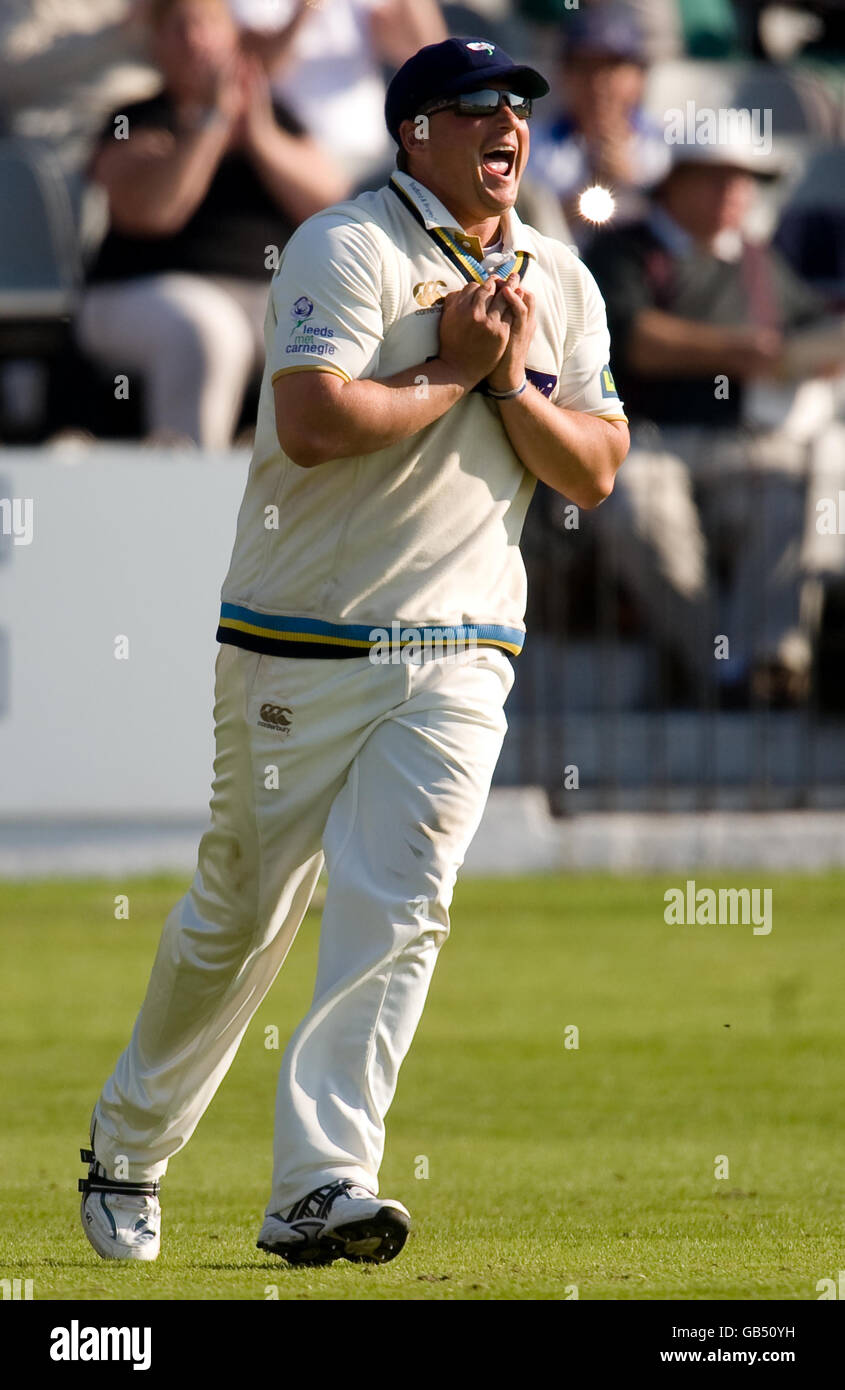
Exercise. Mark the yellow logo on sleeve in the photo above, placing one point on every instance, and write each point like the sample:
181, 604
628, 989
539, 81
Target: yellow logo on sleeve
608, 385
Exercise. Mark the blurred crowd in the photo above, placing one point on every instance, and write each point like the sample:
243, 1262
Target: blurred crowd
155, 156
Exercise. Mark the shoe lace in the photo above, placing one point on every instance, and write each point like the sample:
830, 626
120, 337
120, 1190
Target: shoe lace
320, 1202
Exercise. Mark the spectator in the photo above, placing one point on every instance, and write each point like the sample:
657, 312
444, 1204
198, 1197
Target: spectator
203, 182
703, 324
600, 136
327, 57
659, 21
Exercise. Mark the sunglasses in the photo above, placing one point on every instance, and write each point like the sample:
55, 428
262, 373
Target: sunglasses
485, 102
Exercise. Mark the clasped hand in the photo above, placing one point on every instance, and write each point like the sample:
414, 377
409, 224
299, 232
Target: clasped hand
486, 331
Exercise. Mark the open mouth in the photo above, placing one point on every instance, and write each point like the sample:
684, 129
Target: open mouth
499, 161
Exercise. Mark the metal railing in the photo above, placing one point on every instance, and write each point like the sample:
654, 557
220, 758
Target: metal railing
603, 718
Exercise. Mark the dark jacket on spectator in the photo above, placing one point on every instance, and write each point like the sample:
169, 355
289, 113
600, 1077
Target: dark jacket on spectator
654, 265
229, 232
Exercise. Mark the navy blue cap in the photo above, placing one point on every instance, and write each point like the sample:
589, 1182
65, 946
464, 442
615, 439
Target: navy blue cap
449, 68
610, 29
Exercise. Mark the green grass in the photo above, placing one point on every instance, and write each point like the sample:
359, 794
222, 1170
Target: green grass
548, 1166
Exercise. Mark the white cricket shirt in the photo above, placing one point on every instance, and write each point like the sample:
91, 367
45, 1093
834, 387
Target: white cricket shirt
425, 533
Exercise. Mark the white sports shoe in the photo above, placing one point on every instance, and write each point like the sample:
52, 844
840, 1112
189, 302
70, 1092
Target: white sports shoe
338, 1221
122, 1220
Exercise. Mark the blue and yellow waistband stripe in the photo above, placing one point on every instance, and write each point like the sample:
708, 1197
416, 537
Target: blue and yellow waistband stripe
273, 635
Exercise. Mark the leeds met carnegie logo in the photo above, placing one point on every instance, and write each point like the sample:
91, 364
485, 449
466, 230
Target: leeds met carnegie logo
310, 337
276, 717
301, 310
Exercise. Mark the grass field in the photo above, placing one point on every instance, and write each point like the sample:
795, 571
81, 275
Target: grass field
549, 1167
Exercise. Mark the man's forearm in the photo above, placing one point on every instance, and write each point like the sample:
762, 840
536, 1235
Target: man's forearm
157, 196
662, 344
299, 177
573, 453
362, 416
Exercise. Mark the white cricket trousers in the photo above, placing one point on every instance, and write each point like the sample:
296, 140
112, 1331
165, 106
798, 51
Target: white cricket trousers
384, 770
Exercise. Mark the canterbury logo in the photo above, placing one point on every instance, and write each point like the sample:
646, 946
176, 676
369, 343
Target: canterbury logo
429, 292
276, 717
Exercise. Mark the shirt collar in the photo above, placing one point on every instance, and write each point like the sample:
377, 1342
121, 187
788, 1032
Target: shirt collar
516, 235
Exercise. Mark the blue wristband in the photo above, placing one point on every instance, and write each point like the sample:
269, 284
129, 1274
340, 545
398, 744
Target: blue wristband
507, 395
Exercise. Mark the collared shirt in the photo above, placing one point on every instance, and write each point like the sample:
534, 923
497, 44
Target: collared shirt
656, 264
438, 221
424, 532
